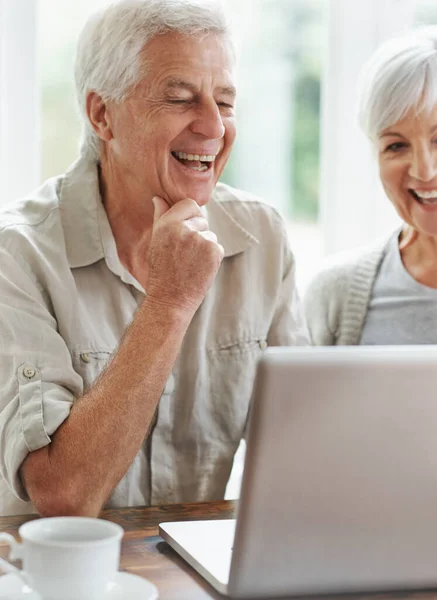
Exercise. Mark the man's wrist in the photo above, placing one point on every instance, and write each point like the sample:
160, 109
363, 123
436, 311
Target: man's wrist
170, 312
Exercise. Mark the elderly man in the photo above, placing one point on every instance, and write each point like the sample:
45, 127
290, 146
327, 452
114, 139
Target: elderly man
137, 295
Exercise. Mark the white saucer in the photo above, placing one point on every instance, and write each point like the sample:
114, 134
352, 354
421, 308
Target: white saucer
124, 587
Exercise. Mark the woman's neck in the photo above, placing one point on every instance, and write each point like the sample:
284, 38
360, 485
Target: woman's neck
419, 256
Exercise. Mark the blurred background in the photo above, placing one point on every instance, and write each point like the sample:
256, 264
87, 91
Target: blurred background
298, 146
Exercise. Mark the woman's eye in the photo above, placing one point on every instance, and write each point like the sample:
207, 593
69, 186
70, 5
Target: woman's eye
396, 147
179, 101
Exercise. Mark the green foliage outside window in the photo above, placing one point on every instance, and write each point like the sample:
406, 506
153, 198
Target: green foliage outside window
298, 26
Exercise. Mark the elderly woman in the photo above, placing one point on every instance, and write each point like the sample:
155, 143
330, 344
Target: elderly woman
387, 294
137, 293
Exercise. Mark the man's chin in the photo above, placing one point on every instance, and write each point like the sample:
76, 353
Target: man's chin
200, 196
203, 196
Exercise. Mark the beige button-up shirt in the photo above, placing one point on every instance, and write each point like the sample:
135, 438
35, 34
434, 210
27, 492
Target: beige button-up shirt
66, 301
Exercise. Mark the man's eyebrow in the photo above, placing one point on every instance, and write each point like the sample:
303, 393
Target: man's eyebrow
181, 84
228, 91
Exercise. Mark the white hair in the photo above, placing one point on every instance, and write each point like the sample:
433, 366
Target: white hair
400, 76
107, 57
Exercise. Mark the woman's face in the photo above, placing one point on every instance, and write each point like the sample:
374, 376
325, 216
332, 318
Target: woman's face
407, 156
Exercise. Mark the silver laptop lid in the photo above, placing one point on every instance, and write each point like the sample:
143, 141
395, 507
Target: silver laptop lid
339, 490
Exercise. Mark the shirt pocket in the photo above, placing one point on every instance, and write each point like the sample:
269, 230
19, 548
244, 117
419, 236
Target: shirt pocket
90, 365
232, 376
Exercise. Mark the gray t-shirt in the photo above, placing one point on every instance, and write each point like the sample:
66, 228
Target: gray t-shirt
401, 310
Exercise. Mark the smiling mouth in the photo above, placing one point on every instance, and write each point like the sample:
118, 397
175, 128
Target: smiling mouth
195, 162
425, 198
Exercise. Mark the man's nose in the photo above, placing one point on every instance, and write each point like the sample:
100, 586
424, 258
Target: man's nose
424, 164
209, 121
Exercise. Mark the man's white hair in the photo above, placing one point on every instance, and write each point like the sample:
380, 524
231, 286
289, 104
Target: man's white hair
400, 76
107, 58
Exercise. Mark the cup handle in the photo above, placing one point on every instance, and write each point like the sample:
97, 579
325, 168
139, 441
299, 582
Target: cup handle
14, 554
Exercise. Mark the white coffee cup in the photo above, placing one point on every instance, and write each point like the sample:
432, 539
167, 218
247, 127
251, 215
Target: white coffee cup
68, 558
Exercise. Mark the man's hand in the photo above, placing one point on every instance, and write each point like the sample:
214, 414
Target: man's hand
184, 255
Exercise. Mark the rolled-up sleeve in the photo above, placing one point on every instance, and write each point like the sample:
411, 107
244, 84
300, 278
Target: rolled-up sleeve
37, 381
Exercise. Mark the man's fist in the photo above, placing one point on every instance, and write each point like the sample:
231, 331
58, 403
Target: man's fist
184, 255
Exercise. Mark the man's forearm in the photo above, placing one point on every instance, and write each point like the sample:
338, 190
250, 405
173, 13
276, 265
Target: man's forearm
92, 450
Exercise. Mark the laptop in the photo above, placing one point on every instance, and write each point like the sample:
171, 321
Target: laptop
339, 490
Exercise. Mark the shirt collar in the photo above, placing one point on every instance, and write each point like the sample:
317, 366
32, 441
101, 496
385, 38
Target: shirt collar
110, 249
78, 202
230, 234
88, 235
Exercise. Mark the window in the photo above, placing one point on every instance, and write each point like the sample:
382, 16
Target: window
58, 31
277, 154
426, 12
353, 207
19, 99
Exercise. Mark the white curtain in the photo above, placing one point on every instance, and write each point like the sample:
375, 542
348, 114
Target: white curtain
19, 99
354, 209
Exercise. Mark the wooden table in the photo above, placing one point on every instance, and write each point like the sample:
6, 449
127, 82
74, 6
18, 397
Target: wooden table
144, 553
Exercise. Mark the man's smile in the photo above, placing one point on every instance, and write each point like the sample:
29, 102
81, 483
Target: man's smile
195, 162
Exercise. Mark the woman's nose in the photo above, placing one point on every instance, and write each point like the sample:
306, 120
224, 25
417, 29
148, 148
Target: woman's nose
424, 164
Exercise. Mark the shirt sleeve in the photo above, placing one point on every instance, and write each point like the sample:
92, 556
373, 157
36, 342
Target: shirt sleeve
289, 327
37, 381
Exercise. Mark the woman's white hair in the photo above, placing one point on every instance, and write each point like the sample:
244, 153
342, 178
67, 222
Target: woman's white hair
400, 76
107, 58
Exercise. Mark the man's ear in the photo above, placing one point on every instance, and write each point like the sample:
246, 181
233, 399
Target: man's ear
98, 116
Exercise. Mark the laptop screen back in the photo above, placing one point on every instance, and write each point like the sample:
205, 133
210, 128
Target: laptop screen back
339, 490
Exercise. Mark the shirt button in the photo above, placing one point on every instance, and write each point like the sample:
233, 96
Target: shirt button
263, 344
85, 357
29, 372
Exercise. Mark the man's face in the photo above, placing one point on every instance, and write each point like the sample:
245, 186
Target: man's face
173, 135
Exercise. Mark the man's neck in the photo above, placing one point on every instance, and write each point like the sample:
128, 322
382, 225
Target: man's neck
129, 212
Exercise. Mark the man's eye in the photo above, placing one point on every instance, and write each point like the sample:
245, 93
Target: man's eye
179, 101
225, 106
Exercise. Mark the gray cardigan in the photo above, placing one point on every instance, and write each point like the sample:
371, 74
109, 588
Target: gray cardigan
337, 299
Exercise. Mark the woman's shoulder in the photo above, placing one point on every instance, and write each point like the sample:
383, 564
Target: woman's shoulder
337, 270
343, 279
